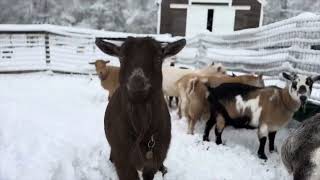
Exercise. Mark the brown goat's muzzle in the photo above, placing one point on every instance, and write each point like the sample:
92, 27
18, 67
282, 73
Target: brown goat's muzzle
138, 88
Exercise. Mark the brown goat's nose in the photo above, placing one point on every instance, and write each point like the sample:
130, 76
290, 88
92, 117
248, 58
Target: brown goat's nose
137, 83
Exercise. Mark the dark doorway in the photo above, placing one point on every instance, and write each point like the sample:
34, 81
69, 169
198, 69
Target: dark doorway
210, 19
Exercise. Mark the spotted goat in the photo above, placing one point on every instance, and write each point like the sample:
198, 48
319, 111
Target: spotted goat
268, 108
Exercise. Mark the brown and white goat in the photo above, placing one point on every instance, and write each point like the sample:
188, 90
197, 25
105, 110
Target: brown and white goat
108, 75
267, 109
193, 94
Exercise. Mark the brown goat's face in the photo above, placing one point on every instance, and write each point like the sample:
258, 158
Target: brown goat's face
101, 68
140, 64
300, 86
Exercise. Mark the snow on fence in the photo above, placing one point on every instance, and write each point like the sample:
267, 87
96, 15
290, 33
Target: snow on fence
56, 48
286, 45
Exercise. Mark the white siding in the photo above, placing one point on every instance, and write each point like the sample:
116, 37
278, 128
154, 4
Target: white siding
223, 19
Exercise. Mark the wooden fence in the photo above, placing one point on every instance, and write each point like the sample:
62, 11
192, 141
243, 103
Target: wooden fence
56, 48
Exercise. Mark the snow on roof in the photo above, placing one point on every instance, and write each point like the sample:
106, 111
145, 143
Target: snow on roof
263, 2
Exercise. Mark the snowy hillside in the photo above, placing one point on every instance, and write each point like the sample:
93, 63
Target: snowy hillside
139, 16
52, 129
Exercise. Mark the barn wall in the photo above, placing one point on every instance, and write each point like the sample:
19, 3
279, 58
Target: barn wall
247, 19
173, 21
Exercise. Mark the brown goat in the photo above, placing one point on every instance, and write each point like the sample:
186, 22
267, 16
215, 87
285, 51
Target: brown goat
108, 75
137, 120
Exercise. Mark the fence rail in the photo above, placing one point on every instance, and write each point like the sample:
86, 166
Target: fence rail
56, 48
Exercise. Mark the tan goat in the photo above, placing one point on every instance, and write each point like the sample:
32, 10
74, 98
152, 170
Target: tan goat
172, 74
193, 91
267, 109
108, 75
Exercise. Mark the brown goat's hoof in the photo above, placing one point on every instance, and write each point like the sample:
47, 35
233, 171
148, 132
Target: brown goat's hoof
274, 150
206, 138
218, 142
262, 156
163, 170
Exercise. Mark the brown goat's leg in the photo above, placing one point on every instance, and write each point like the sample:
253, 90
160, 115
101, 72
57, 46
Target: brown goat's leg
110, 158
179, 110
221, 124
126, 172
163, 169
193, 123
177, 101
189, 126
148, 173
271, 137
170, 101
262, 134
210, 123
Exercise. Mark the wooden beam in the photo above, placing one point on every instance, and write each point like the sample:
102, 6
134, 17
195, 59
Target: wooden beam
178, 6
209, 5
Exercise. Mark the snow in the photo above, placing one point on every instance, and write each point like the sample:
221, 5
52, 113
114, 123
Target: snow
52, 128
78, 32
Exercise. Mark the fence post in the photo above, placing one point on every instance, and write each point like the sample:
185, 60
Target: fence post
47, 48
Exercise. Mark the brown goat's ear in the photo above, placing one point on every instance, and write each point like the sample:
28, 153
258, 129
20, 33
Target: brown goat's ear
107, 47
92, 63
107, 61
174, 48
288, 76
316, 78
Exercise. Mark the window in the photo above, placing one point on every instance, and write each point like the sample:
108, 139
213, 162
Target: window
210, 19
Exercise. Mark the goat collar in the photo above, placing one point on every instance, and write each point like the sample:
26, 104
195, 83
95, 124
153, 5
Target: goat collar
143, 132
289, 104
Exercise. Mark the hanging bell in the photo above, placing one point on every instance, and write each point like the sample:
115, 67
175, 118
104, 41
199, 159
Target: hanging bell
149, 155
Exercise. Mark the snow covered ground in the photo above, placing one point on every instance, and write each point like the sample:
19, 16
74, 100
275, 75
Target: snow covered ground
51, 128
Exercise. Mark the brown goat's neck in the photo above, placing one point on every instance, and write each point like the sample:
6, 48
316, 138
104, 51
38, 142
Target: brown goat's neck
140, 115
289, 103
108, 69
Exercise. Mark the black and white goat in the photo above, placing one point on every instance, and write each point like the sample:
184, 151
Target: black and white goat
301, 150
268, 108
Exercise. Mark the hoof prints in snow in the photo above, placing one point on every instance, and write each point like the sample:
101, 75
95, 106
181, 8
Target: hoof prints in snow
52, 129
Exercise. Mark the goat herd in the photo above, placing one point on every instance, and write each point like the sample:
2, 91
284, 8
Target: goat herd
137, 119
